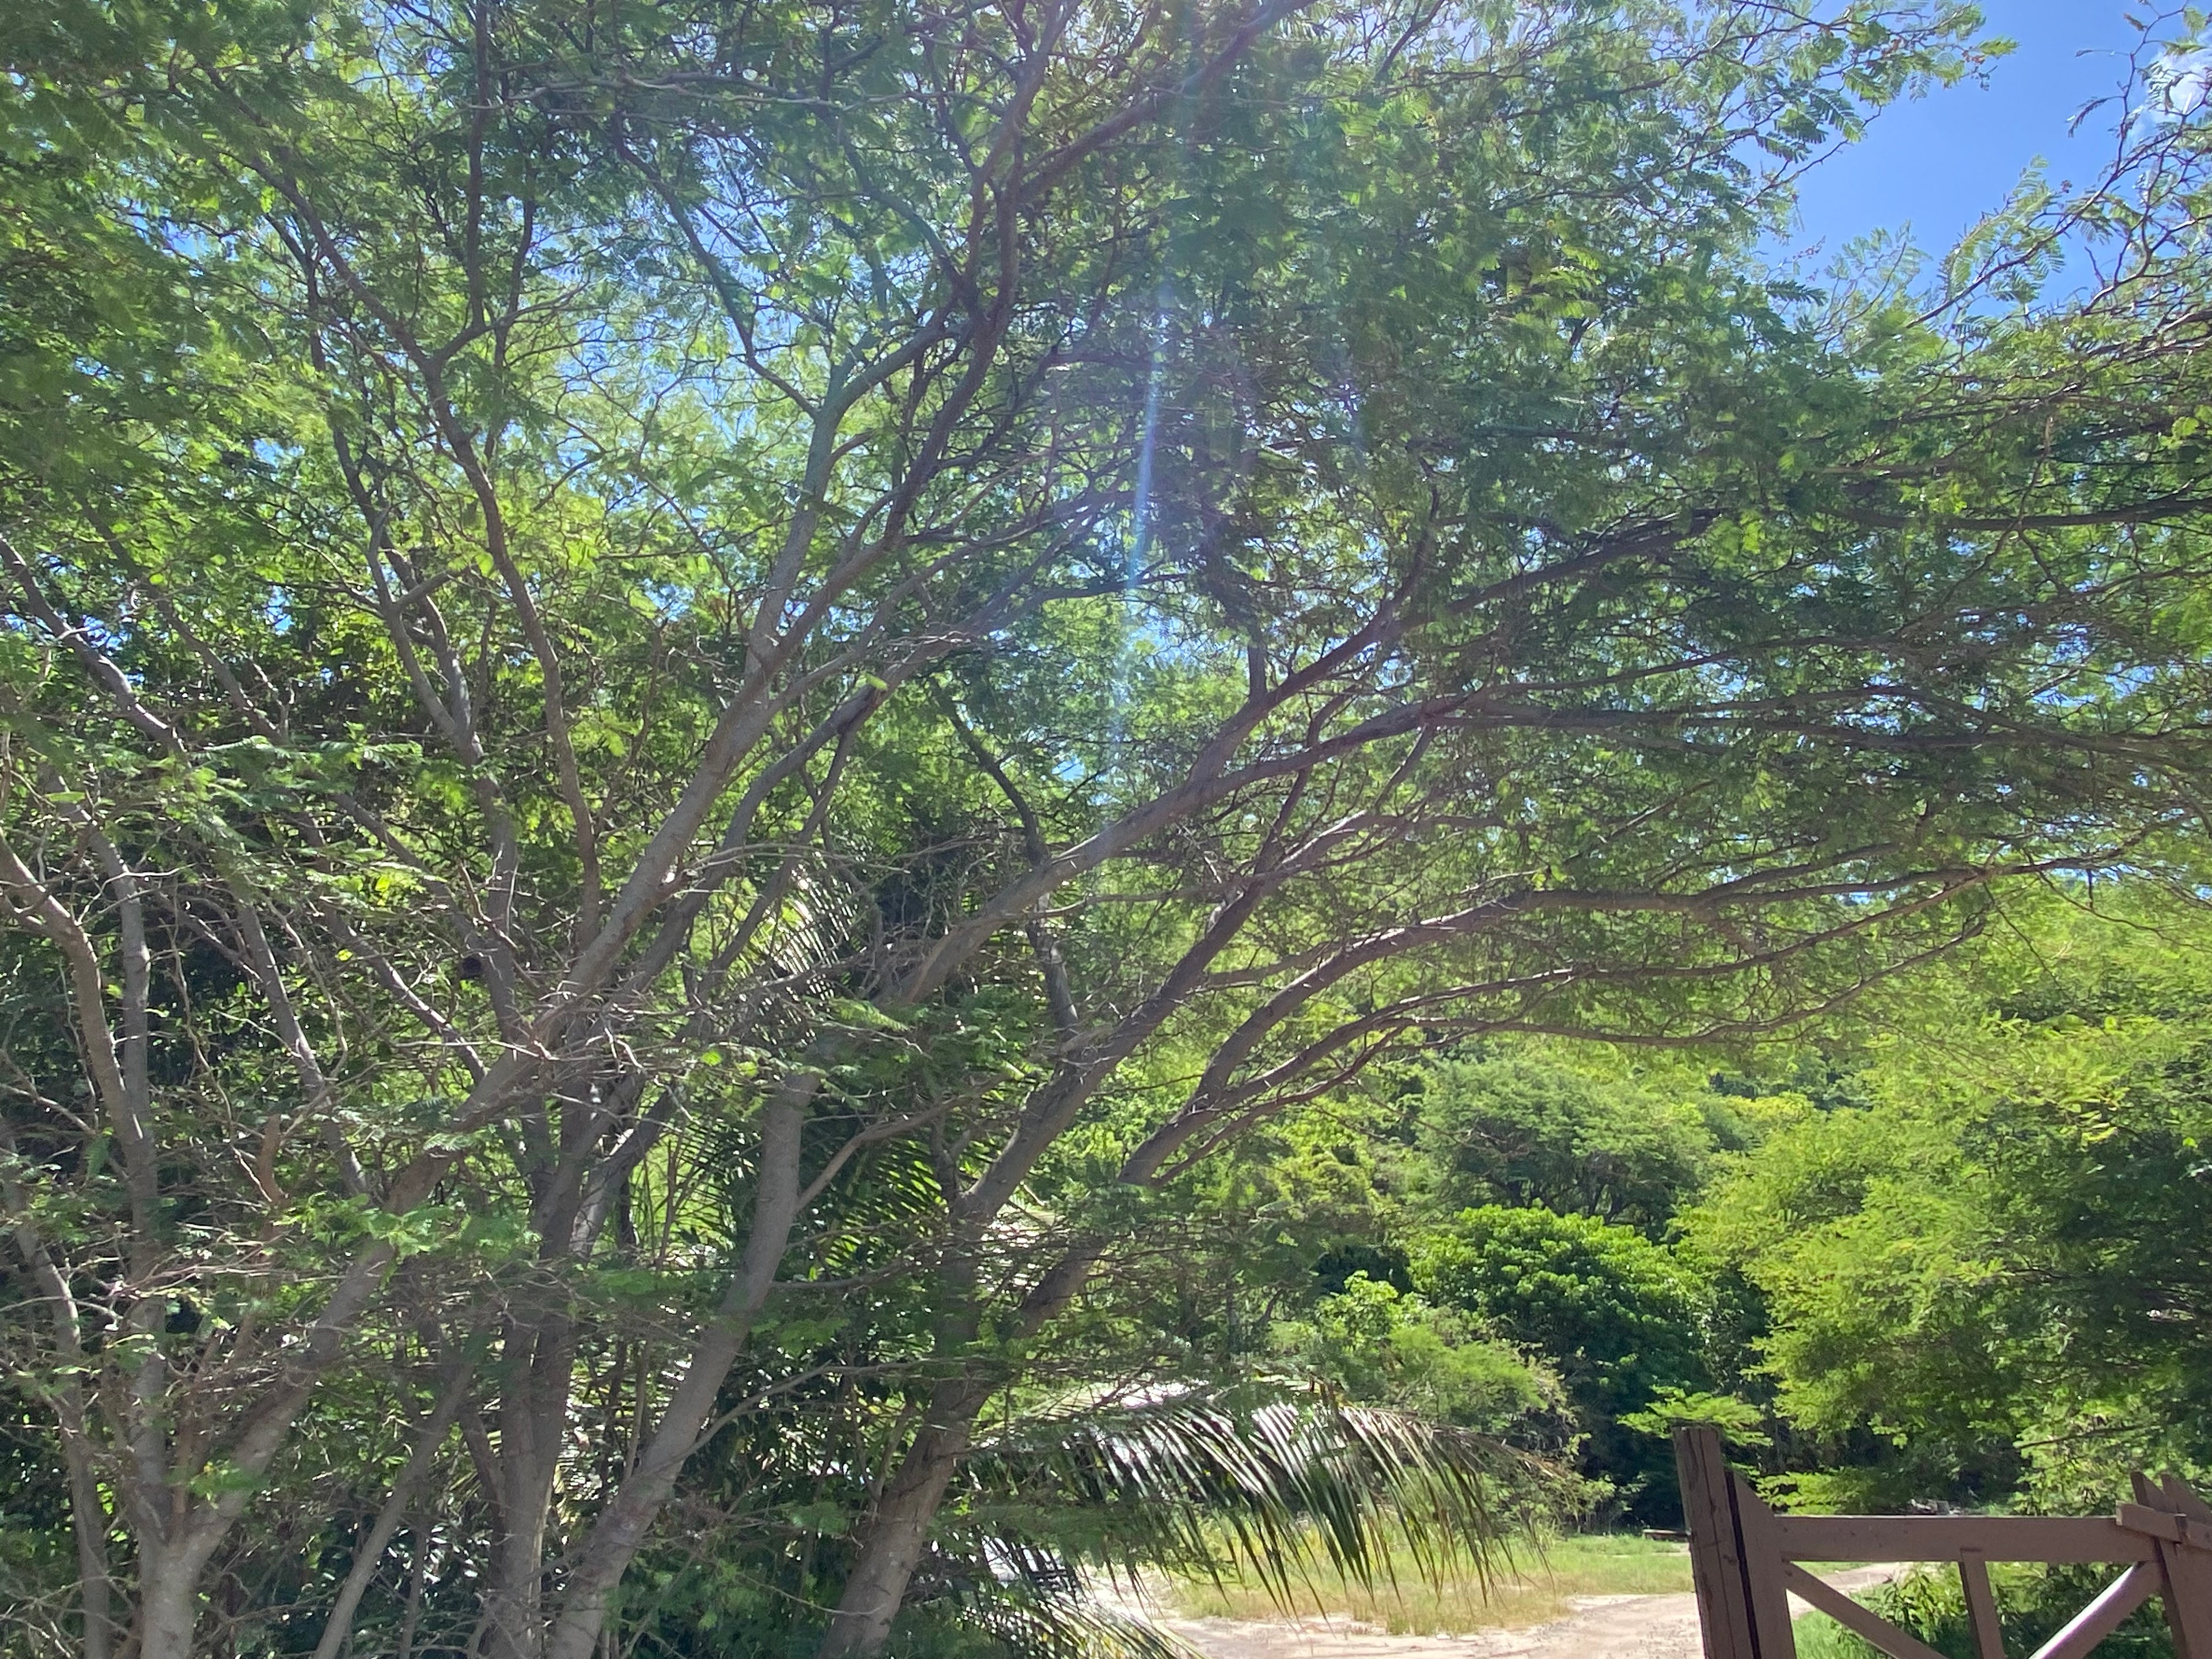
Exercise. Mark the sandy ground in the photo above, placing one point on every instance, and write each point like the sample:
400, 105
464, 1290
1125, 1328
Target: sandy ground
1600, 1627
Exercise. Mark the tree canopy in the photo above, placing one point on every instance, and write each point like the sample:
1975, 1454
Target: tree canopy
704, 708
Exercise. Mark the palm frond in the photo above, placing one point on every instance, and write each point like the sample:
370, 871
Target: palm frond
1068, 1627
1194, 1483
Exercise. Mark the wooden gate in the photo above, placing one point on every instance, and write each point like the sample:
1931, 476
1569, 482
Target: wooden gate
1745, 1557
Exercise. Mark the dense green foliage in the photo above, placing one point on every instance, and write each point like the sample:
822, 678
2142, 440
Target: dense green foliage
1616, 1314
1964, 1265
806, 809
1519, 1133
1996, 1264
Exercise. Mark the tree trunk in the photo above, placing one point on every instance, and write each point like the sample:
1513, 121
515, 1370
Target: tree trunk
169, 1597
613, 1540
534, 1419
339, 1625
897, 1531
89, 1523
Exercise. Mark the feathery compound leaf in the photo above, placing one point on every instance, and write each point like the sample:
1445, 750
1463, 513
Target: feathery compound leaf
1063, 1628
1273, 1490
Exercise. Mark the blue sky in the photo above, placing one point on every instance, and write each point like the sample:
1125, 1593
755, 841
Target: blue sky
1939, 163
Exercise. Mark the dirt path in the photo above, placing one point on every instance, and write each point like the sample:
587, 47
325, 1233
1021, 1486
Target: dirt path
1600, 1627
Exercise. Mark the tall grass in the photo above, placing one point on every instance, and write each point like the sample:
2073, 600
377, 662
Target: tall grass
1528, 1583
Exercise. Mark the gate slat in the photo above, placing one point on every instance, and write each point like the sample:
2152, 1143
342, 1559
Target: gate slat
2102, 1616
1898, 1643
1982, 1607
1950, 1537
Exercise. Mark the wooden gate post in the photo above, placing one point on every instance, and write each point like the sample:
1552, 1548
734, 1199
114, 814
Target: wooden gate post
1735, 1555
2167, 1507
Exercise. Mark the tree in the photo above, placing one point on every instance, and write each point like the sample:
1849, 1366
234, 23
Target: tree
1380, 1345
1991, 1271
688, 674
1523, 1131
1618, 1316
